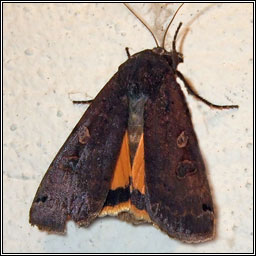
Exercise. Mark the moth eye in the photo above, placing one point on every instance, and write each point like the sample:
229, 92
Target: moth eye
41, 199
206, 207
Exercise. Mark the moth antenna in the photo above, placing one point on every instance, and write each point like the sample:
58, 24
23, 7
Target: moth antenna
175, 37
142, 23
165, 34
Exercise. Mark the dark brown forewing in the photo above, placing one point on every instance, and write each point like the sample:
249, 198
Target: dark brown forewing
178, 197
77, 181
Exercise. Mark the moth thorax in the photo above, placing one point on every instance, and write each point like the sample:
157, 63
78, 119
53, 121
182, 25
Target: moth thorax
135, 122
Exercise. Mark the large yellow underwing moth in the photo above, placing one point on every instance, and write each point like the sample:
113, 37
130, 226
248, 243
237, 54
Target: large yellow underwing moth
133, 154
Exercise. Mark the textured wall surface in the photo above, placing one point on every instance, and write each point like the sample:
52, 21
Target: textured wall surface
54, 53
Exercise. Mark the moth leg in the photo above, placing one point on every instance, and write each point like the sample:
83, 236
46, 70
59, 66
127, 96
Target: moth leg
127, 52
192, 92
82, 101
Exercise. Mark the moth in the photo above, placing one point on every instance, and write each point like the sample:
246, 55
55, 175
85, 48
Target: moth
133, 154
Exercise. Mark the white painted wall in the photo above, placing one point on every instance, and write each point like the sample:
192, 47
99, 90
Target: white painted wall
57, 52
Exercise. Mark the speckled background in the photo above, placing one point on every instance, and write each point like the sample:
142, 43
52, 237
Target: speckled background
54, 53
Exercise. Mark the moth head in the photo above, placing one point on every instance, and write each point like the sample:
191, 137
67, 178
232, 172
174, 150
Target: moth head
173, 57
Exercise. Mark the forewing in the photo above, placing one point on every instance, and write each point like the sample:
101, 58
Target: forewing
178, 197
78, 180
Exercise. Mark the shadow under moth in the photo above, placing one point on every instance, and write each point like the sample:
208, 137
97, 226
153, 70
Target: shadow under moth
133, 154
